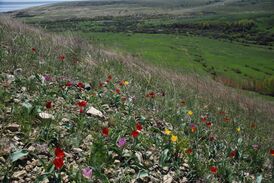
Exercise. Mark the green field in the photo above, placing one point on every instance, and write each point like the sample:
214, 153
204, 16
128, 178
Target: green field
192, 53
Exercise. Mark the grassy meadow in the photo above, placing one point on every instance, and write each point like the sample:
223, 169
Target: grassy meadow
148, 95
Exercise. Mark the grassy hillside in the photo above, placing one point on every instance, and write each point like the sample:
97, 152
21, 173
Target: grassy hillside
152, 124
175, 34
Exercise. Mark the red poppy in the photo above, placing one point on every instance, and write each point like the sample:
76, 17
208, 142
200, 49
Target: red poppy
105, 132
61, 57
189, 151
226, 119
272, 152
139, 126
59, 152
109, 77
101, 84
121, 83
33, 50
203, 119
48, 104
232, 154
222, 112
82, 103
151, 94
81, 110
253, 125
214, 169
135, 133
80, 85
117, 90
58, 163
209, 124
69, 84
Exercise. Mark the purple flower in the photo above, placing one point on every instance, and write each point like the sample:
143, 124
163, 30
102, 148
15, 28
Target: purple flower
255, 146
47, 78
121, 142
87, 172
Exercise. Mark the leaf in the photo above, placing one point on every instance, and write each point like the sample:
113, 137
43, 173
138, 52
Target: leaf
142, 173
18, 154
164, 156
259, 179
28, 106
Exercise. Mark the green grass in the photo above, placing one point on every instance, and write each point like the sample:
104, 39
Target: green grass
190, 53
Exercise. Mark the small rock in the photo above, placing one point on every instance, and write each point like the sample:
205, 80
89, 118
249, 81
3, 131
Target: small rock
165, 168
167, 178
65, 120
17, 72
31, 149
117, 161
10, 78
19, 174
77, 150
45, 115
139, 157
87, 86
186, 165
184, 180
94, 112
13, 127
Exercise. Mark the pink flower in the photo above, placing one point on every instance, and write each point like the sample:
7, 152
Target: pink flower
121, 142
87, 172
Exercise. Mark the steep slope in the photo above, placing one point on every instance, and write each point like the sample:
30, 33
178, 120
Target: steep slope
146, 124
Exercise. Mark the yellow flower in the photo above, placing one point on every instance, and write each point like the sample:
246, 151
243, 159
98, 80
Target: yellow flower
238, 129
173, 138
126, 83
167, 131
190, 113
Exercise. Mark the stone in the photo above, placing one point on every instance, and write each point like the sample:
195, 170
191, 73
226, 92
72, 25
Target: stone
13, 127
77, 150
186, 165
10, 78
94, 112
87, 86
19, 174
31, 149
167, 178
139, 157
44, 115
2, 160
18, 72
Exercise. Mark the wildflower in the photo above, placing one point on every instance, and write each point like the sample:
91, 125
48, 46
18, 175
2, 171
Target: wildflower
213, 169
58, 163
167, 131
253, 125
49, 105
105, 132
61, 57
109, 77
139, 126
69, 84
121, 142
80, 85
81, 110
47, 78
255, 146
190, 113
87, 172
33, 50
151, 95
193, 128
174, 138
209, 124
232, 154
222, 113
203, 119
82, 103
126, 83
101, 84
188, 151
117, 91
238, 129
135, 133
226, 119
272, 152
59, 152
